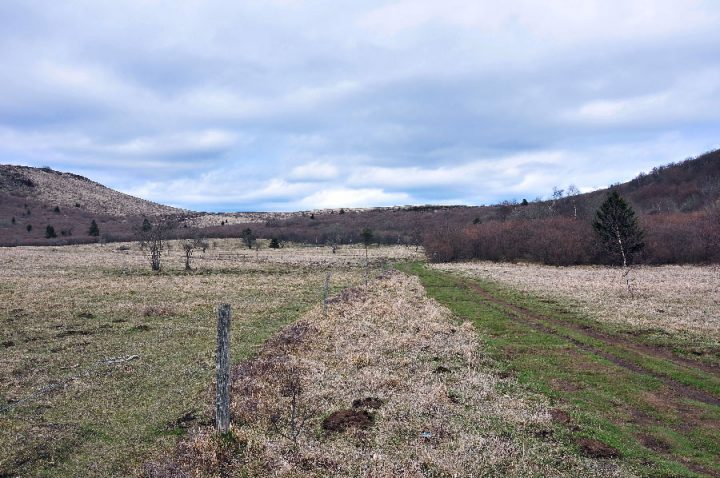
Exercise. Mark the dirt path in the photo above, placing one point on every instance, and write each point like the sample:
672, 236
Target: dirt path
539, 322
672, 395
655, 351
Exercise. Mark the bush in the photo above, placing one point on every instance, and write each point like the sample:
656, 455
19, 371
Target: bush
50, 232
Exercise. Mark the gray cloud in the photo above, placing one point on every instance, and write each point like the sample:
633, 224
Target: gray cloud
293, 104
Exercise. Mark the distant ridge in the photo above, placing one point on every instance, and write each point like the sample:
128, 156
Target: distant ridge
677, 198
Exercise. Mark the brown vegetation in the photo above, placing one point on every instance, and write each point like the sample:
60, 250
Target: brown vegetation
677, 205
374, 404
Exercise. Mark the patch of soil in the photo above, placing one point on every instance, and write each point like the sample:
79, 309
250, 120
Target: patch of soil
290, 336
342, 420
368, 402
186, 420
655, 444
593, 448
441, 369
560, 416
565, 386
71, 332
542, 433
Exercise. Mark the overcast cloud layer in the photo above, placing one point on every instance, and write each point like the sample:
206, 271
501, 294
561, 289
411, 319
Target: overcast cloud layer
291, 104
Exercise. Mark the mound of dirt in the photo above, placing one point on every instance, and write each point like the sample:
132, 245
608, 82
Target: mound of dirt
593, 448
342, 420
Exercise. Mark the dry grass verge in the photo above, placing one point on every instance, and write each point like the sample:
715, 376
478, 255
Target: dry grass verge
388, 384
671, 298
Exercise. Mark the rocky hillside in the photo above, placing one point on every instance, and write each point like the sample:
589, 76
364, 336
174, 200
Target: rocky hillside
68, 190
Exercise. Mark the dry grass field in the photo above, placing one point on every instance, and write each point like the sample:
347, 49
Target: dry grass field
389, 384
106, 368
639, 371
103, 363
677, 299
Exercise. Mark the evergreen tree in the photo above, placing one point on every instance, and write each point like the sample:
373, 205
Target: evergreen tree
50, 232
248, 237
94, 229
617, 228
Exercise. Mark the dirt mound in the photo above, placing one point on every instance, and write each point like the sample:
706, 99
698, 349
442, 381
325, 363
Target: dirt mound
596, 449
342, 420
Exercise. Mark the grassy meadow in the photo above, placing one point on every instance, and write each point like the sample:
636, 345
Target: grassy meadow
475, 369
645, 383
103, 363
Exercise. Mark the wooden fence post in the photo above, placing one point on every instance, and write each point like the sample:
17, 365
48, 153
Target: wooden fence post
326, 288
222, 367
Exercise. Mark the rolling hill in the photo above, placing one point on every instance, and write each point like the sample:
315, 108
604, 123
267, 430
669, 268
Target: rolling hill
672, 200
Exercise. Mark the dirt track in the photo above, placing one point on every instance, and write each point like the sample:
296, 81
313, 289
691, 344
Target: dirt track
545, 325
672, 396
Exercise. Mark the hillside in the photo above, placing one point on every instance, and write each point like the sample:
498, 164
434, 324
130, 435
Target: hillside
68, 190
674, 202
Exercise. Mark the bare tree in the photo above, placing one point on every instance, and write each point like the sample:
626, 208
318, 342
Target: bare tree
571, 192
190, 245
152, 238
557, 195
291, 425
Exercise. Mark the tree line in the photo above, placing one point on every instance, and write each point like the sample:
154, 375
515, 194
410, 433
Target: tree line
570, 237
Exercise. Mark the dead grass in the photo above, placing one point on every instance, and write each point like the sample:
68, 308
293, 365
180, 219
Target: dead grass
69, 312
671, 298
391, 385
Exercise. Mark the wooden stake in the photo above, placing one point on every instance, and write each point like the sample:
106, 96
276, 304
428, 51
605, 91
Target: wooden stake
222, 367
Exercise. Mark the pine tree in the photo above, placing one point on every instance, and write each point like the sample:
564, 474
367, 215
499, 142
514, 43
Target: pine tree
94, 229
617, 228
248, 237
50, 232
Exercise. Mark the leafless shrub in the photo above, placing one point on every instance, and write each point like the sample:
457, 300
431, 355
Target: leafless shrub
191, 245
153, 237
290, 422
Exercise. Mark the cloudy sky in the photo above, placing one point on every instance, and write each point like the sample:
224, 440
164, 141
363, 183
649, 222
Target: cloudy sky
292, 104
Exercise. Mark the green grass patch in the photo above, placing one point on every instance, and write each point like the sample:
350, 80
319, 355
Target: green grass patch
620, 407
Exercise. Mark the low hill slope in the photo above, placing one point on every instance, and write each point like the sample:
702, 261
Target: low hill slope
56, 188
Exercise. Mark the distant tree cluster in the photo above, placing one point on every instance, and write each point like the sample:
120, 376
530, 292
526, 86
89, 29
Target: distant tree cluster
614, 234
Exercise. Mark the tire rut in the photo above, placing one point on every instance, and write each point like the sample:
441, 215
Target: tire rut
535, 321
